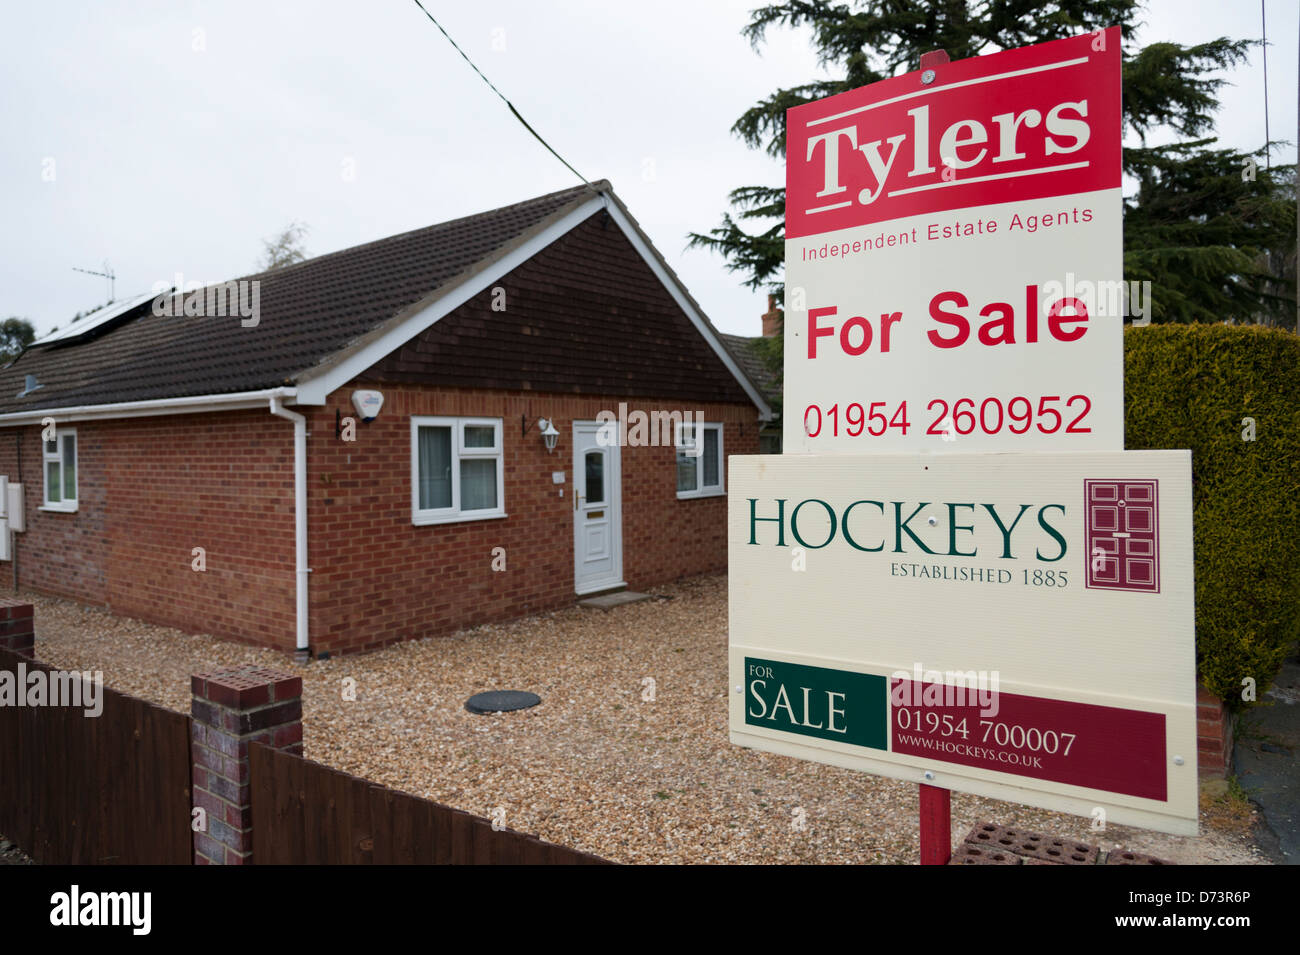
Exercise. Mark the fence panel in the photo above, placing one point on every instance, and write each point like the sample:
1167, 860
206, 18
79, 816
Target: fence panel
308, 814
106, 789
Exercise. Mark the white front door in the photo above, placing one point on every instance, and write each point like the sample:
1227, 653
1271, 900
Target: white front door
597, 512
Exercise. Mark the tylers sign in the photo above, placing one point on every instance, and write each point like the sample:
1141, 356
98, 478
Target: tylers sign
953, 258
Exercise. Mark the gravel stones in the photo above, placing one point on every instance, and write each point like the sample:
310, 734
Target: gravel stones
629, 757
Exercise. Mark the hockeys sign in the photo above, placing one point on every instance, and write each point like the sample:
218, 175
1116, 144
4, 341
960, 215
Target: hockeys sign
953, 258
1016, 626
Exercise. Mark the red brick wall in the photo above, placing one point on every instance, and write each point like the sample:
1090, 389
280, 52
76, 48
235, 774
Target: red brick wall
58, 553
150, 490
377, 578
1213, 735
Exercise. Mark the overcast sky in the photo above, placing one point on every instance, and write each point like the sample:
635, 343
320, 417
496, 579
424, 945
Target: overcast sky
171, 137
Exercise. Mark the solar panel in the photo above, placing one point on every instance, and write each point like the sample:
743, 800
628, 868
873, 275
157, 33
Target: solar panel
96, 318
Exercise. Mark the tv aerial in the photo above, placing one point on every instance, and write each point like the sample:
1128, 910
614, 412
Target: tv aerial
108, 274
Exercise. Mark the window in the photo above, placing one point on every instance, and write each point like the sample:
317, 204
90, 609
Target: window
699, 470
60, 457
595, 464
457, 472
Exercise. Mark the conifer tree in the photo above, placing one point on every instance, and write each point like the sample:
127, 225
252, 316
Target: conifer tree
1212, 229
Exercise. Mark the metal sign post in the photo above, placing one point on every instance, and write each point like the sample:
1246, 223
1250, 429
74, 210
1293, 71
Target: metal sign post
936, 825
936, 802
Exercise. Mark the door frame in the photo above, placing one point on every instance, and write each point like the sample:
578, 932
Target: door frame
614, 484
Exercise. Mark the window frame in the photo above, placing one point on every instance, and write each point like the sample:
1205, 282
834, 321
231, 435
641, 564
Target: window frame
65, 505
701, 489
459, 452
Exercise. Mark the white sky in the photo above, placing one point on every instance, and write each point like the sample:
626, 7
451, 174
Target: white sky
167, 159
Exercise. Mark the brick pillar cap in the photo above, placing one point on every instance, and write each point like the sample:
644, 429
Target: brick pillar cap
245, 686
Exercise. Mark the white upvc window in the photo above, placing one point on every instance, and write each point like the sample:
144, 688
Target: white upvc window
699, 466
457, 469
60, 467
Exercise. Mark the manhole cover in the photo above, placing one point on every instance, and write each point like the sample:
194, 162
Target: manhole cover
501, 701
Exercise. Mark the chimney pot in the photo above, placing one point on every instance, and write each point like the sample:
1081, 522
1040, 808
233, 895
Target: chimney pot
771, 318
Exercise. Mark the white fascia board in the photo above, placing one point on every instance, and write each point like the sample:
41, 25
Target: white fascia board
687, 305
316, 390
238, 401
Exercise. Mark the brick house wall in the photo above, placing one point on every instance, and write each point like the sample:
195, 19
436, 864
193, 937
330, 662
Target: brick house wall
152, 489
578, 327
149, 491
63, 554
377, 578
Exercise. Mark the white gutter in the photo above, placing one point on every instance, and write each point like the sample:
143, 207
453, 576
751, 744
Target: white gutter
238, 401
299, 516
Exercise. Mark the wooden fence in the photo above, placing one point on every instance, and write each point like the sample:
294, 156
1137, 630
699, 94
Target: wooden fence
106, 789
308, 814
115, 789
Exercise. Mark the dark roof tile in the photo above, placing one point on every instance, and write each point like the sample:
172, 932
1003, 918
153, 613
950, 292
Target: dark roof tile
752, 363
308, 312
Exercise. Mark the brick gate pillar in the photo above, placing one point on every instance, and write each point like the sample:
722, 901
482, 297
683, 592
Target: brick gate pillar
17, 626
232, 708
1213, 736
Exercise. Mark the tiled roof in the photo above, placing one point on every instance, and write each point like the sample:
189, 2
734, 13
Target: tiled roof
308, 312
586, 315
752, 363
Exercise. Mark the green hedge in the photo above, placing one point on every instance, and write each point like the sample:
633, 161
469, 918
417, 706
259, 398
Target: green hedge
1191, 386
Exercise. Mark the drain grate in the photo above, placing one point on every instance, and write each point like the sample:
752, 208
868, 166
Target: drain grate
1035, 845
991, 844
968, 854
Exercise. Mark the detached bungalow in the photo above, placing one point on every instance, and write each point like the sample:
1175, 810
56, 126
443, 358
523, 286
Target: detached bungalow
392, 441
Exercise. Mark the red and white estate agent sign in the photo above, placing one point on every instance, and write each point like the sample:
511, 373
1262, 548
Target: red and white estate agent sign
954, 258
1020, 626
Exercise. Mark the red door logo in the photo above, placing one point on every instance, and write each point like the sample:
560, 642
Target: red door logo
1122, 535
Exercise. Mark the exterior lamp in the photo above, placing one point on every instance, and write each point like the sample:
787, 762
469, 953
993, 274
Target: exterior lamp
546, 427
549, 434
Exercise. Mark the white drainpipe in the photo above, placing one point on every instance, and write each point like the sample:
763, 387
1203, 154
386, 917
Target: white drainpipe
299, 517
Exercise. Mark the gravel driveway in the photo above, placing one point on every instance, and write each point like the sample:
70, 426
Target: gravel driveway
594, 766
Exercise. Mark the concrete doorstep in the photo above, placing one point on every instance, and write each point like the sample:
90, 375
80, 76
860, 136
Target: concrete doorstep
612, 600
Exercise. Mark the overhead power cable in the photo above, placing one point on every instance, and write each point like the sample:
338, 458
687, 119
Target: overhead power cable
499, 93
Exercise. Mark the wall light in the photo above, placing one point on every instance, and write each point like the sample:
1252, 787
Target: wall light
545, 427
549, 434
